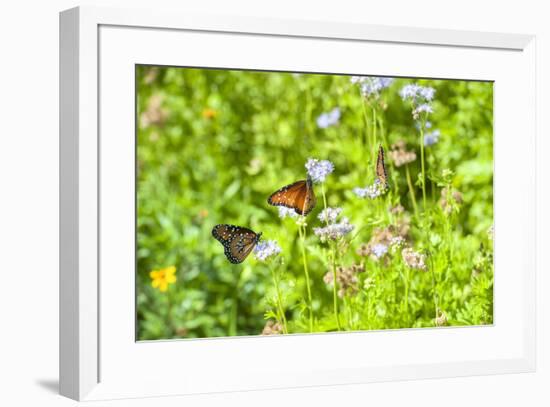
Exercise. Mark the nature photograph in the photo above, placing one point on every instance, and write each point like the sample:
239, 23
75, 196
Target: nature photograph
279, 203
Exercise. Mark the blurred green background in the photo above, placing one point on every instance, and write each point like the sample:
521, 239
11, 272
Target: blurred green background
212, 145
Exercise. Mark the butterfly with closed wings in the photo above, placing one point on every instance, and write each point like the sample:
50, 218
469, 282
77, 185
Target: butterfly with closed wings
237, 241
381, 172
298, 196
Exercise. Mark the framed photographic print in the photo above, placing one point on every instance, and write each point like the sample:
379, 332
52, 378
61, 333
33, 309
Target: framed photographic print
238, 192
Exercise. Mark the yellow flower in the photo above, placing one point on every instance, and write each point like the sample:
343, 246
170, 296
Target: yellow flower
209, 113
163, 277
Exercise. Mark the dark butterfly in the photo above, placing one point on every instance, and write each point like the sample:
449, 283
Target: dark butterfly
237, 241
298, 196
381, 173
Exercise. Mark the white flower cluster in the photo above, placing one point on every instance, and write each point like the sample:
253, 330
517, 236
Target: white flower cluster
334, 231
285, 212
421, 98
329, 215
329, 118
318, 170
370, 191
371, 85
266, 249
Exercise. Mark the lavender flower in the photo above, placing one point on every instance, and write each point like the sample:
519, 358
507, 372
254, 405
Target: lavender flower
318, 170
420, 96
379, 249
371, 85
427, 93
427, 125
334, 231
329, 215
329, 119
287, 213
370, 191
423, 108
417, 93
431, 138
265, 249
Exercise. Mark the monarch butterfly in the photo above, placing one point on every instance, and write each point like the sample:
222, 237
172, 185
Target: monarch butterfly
237, 241
381, 173
298, 196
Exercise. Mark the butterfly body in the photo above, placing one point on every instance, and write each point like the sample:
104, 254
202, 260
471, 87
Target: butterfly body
381, 172
298, 196
237, 241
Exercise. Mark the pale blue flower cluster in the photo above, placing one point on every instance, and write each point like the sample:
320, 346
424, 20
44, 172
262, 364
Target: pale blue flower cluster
334, 231
417, 93
423, 108
370, 191
285, 212
329, 118
431, 138
421, 98
266, 249
318, 170
379, 249
329, 215
371, 85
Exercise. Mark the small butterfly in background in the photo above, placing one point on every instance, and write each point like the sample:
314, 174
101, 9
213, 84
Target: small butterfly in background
237, 241
298, 196
381, 173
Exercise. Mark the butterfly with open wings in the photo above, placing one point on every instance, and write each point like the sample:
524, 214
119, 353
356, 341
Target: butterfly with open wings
237, 241
298, 196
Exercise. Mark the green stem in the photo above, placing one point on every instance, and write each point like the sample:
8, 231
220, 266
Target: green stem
234, 309
367, 137
411, 189
374, 138
169, 313
335, 288
302, 233
383, 133
407, 277
309, 108
335, 283
422, 164
281, 312
369, 326
324, 199
434, 288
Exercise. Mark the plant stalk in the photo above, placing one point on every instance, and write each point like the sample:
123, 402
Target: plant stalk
302, 233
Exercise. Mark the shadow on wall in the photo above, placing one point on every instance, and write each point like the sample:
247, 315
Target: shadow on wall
51, 385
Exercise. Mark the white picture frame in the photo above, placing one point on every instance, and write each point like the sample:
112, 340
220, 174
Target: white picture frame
99, 357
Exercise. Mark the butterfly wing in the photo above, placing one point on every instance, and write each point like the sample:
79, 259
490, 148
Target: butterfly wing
240, 247
381, 172
237, 241
298, 196
224, 233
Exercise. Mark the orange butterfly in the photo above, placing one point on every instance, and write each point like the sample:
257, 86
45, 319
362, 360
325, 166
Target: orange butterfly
381, 173
298, 196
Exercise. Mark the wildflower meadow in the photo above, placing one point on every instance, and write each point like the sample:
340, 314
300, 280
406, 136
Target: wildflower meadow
395, 228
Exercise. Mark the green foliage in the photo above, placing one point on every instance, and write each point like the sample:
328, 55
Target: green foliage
212, 145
